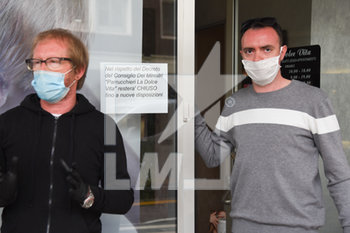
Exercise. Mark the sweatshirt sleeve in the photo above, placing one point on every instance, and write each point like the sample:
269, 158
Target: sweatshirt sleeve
214, 146
329, 143
118, 199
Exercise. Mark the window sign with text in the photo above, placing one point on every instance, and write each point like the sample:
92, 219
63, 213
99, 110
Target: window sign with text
128, 88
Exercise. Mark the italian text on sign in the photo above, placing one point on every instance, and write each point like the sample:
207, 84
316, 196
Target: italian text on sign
134, 88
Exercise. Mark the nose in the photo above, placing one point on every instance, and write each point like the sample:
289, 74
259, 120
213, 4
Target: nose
43, 65
258, 56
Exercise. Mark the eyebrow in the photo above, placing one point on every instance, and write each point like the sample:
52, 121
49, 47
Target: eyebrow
261, 47
267, 46
247, 48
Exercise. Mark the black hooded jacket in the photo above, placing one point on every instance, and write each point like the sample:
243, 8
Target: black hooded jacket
40, 140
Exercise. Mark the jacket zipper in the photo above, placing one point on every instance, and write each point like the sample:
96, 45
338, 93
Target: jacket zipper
48, 226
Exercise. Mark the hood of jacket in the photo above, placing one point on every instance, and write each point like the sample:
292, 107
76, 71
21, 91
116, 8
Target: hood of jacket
32, 102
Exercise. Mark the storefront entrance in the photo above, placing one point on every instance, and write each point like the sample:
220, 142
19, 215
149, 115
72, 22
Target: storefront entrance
172, 57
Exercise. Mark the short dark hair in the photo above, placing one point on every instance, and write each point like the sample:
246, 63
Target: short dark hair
257, 23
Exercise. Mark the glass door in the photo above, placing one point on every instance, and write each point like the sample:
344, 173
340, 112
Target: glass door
214, 67
133, 51
132, 76
219, 73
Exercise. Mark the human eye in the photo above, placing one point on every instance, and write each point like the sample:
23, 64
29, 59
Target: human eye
34, 64
248, 51
268, 49
53, 61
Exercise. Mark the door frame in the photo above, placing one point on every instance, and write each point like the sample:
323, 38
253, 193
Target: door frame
185, 116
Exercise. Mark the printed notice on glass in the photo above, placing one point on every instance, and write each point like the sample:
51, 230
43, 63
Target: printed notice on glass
128, 88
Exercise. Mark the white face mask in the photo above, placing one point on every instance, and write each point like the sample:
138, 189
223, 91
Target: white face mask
262, 72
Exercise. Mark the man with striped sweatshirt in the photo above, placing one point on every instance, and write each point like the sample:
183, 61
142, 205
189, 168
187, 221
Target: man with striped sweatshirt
278, 129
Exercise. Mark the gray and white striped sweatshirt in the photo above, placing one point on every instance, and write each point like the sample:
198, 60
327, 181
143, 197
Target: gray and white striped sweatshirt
278, 138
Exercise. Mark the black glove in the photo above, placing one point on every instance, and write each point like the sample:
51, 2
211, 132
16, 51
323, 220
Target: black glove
78, 189
8, 183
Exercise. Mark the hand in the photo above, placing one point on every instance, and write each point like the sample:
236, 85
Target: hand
78, 189
213, 219
8, 183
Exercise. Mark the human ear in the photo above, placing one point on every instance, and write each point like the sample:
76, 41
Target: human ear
283, 52
79, 72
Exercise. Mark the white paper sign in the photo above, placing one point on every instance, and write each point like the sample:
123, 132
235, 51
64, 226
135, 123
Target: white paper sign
134, 88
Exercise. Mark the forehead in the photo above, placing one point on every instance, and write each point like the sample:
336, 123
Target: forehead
259, 37
50, 48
